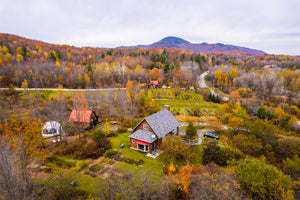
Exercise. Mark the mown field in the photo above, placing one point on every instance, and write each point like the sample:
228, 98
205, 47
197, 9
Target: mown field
185, 100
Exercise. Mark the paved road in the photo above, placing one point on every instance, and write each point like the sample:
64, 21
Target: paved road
202, 84
202, 81
70, 90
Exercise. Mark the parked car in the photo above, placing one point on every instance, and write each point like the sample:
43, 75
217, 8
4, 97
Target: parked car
211, 135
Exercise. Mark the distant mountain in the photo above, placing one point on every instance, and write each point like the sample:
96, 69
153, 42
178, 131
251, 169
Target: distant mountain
219, 48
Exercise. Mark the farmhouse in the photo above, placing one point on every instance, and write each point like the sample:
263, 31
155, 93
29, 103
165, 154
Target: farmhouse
151, 84
85, 119
148, 135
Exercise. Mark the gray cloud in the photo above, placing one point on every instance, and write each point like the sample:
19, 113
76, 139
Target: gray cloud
269, 25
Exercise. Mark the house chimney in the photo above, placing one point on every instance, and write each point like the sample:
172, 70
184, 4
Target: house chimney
167, 107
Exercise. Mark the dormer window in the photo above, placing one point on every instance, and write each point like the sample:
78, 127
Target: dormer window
145, 127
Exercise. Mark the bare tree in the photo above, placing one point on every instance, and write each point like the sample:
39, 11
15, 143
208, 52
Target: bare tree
56, 111
14, 176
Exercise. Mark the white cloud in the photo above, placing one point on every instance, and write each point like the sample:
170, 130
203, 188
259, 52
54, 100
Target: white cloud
269, 25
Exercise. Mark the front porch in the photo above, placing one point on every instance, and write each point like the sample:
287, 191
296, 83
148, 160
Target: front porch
154, 154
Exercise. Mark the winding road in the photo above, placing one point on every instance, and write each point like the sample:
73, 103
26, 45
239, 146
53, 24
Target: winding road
202, 84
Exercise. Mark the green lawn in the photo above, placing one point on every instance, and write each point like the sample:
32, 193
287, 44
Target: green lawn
150, 164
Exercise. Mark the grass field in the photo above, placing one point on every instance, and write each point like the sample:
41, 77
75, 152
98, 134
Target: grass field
47, 94
186, 100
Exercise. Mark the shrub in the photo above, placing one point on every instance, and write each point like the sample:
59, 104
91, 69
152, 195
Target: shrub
61, 162
292, 167
263, 130
286, 148
88, 150
112, 134
174, 150
229, 153
248, 144
110, 153
101, 140
81, 149
96, 168
220, 155
263, 181
122, 130
80, 164
127, 123
133, 161
263, 113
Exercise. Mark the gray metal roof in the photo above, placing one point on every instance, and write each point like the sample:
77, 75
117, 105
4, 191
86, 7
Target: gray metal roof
146, 136
162, 122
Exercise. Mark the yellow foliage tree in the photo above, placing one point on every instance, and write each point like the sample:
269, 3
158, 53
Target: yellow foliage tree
235, 123
209, 62
23, 133
106, 128
19, 50
7, 57
219, 76
25, 84
5, 49
129, 90
57, 64
171, 169
234, 73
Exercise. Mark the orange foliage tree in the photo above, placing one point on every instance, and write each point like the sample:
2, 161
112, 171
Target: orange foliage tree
185, 174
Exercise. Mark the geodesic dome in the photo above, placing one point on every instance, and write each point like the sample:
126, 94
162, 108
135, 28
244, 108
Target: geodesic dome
51, 128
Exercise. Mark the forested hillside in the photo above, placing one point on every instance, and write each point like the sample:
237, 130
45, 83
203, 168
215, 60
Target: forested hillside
31, 63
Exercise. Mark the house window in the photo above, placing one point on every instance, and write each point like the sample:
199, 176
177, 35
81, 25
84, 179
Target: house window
145, 127
144, 148
133, 141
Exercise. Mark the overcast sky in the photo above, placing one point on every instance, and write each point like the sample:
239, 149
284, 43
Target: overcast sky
269, 25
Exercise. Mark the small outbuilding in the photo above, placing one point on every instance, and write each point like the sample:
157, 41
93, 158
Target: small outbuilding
85, 119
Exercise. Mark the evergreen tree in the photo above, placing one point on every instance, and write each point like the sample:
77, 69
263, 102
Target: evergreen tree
24, 52
58, 54
191, 130
52, 56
